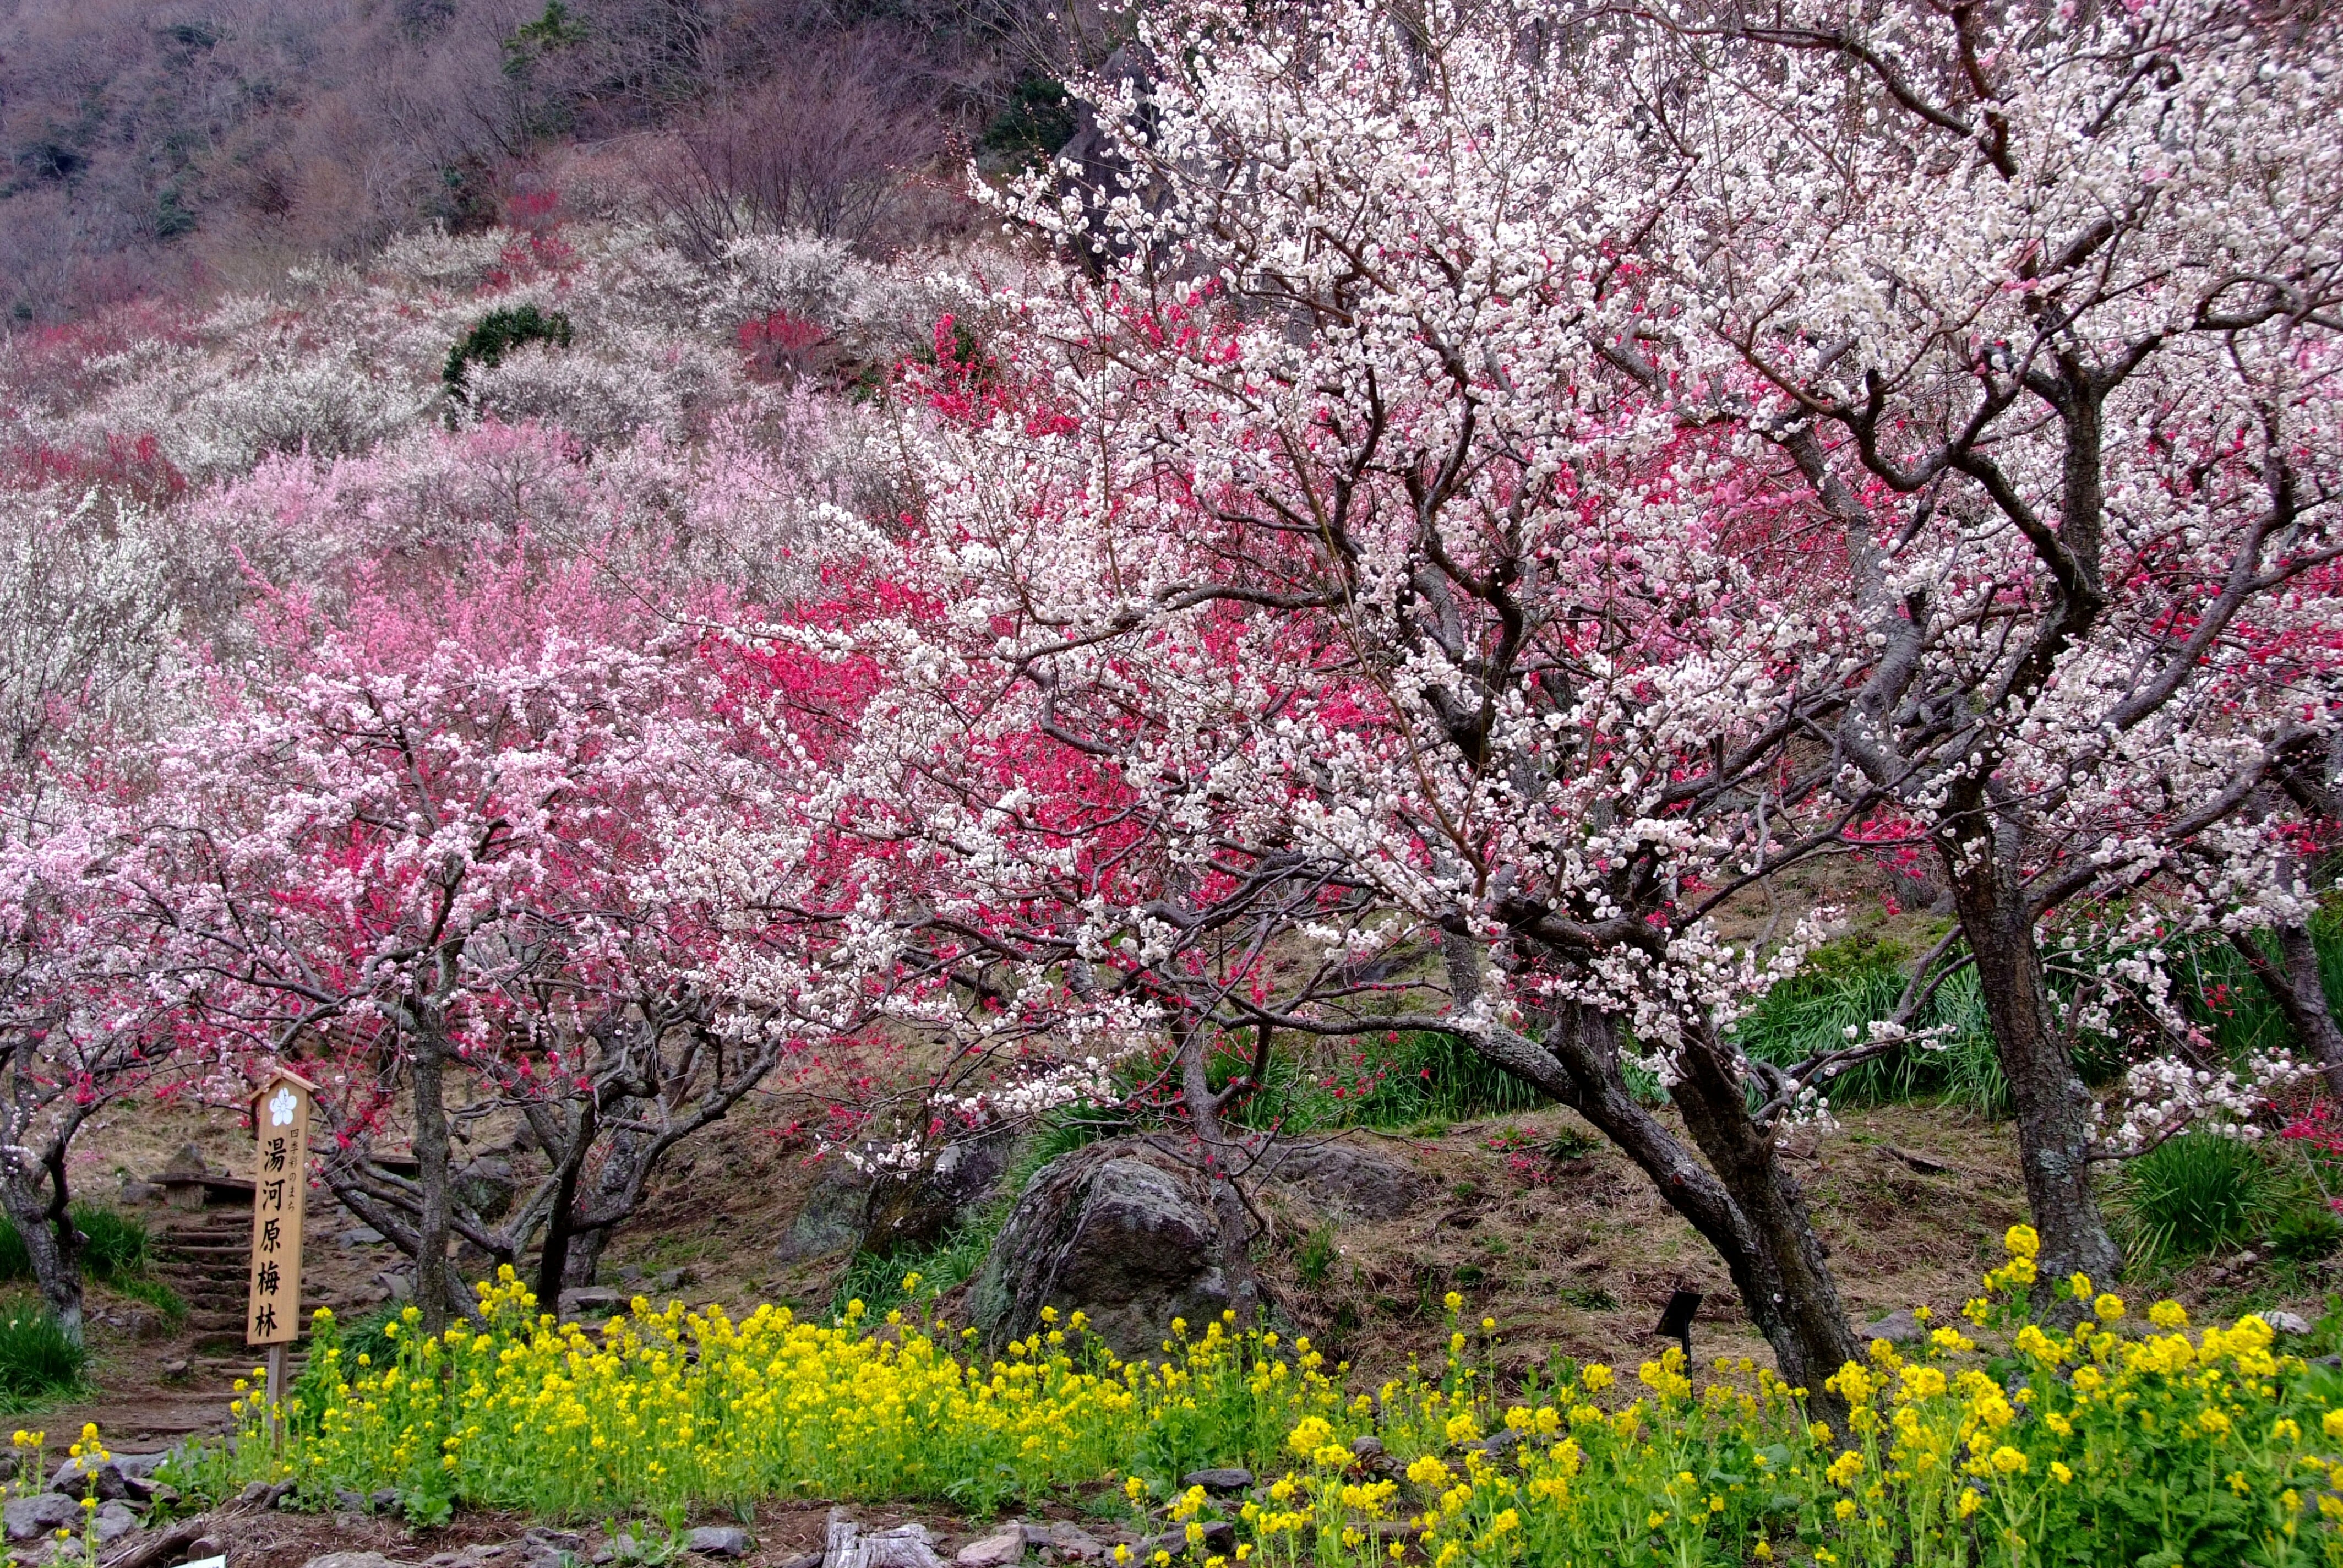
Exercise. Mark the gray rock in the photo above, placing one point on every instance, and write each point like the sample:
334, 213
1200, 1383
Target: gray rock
1346, 1177
1122, 1231
122, 1476
487, 1184
135, 1191
1076, 1545
543, 1548
831, 1219
582, 1300
905, 1546
669, 1280
1225, 1480
2287, 1322
113, 1521
386, 1501
919, 1209
1003, 1548
350, 1560
349, 1501
359, 1236
398, 1283
30, 1518
1220, 1536
719, 1541
1898, 1328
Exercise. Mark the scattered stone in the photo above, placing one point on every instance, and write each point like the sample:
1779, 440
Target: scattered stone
2287, 1322
1000, 1549
1226, 1479
30, 1518
113, 1521
1123, 1231
1497, 1444
359, 1236
174, 1369
383, 1502
351, 1559
349, 1501
135, 1191
802, 1559
1898, 1328
669, 1280
719, 1541
399, 1284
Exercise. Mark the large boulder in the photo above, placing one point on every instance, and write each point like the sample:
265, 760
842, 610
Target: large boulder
1123, 1231
855, 1209
831, 1219
919, 1209
489, 1185
1347, 1177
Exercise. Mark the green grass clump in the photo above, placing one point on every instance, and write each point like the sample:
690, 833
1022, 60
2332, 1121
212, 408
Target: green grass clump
2192, 1195
38, 1362
1396, 1080
118, 1252
1848, 983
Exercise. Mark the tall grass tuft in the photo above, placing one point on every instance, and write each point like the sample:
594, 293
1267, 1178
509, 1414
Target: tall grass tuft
116, 1251
37, 1362
2192, 1195
1845, 985
1409, 1077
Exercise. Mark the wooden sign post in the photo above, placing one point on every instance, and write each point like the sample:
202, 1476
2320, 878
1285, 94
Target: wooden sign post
280, 1119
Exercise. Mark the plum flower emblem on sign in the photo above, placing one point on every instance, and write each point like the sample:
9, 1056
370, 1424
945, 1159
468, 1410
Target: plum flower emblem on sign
281, 1107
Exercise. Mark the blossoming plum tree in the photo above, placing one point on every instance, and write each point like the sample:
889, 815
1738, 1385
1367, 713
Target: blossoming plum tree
1672, 507
429, 844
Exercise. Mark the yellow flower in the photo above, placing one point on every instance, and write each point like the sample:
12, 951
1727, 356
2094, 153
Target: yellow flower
1454, 1301
2022, 1241
2168, 1315
2065, 1476
2108, 1309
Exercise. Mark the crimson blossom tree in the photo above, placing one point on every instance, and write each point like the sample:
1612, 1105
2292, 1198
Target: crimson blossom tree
1447, 341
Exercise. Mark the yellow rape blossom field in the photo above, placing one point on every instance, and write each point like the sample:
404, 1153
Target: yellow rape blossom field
1998, 1441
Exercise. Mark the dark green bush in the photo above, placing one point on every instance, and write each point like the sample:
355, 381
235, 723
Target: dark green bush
1037, 120
498, 334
